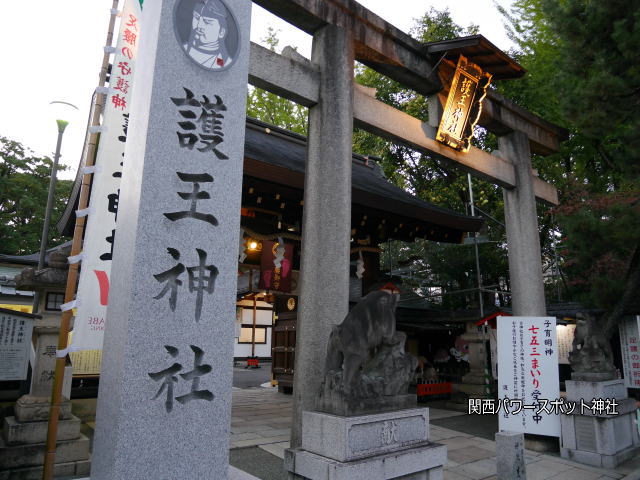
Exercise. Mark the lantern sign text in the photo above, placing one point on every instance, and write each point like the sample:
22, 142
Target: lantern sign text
464, 104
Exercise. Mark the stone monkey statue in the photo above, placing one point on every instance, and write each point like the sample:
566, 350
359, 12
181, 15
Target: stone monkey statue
366, 366
369, 324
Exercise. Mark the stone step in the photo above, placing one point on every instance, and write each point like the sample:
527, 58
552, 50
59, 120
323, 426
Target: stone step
19, 456
422, 463
36, 409
68, 469
17, 433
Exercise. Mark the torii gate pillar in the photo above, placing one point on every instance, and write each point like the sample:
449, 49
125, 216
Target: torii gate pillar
525, 267
326, 230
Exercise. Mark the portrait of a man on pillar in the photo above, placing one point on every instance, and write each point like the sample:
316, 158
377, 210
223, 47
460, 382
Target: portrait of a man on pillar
207, 33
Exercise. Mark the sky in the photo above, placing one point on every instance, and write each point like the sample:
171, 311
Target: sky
52, 51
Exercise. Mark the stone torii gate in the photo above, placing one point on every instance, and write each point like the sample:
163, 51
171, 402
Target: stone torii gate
344, 31
175, 270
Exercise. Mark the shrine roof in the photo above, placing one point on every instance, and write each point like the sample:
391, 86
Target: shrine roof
32, 258
275, 147
480, 51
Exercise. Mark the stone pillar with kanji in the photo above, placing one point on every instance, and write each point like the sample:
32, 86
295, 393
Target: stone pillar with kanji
166, 379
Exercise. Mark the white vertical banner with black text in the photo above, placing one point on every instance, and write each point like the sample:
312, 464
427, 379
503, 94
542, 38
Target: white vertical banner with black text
93, 288
528, 375
630, 345
565, 335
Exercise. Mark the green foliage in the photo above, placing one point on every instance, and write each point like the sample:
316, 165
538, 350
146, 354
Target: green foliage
273, 109
537, 52
598, 50
436, 25
430, 268
601, 232
583, 73
24, 184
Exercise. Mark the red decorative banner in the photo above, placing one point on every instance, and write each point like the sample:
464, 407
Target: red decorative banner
272, 276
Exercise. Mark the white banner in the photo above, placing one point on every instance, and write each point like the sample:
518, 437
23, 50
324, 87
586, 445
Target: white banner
93, 288
630, 343
528, 375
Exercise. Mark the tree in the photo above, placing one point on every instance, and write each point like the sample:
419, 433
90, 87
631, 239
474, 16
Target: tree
604, 95
24, 185
583, 73
603, 104
601, 236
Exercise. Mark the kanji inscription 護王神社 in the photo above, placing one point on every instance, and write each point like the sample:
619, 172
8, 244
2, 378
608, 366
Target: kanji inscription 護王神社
194, 196
169, 378
203, 123
202, 278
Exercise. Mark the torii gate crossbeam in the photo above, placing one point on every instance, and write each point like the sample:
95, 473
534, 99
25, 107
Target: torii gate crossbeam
297, 79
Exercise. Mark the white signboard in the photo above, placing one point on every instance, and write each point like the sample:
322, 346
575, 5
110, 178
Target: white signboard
93, 289
528, 375
630, 343
15, 343
565, 335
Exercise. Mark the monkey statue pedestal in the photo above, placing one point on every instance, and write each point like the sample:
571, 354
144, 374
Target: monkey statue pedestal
601, 429
366, 425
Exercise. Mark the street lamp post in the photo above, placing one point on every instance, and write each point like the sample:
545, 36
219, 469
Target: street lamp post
62, 124
487, 369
